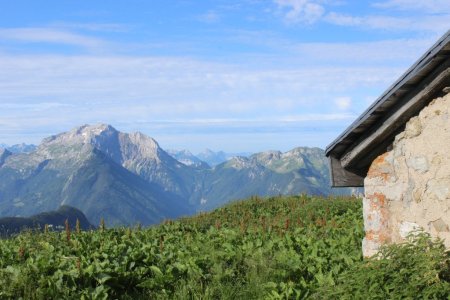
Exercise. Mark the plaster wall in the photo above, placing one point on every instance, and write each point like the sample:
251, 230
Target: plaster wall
408, 187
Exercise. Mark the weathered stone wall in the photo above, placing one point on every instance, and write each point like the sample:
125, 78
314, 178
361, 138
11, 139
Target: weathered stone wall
409, 187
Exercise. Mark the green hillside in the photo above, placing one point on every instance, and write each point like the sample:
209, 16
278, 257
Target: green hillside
54, 219
277, 248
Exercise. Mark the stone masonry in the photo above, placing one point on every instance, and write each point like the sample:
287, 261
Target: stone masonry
408, 187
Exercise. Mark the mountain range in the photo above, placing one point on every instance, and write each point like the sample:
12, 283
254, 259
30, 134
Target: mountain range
127, 178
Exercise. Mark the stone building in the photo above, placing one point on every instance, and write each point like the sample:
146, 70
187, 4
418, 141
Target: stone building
399, 150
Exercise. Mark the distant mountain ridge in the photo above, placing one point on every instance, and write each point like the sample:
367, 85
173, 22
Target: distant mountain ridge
215, 158
301, 170
19, 148
189, 159
127, 178
205, 159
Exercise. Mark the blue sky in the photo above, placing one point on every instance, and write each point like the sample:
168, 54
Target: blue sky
228, 75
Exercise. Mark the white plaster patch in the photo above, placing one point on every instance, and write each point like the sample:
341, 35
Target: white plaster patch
396, 191
370, 248
418, 163
440, 189
407, 227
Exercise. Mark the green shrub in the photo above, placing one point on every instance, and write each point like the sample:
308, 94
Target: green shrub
417, 269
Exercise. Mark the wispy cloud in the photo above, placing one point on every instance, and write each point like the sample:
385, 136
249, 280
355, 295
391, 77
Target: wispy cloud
50, 35
35, 107
73, 90
260, 80
95, 77
432, 23
99, 27
258, 120
429, 6
399, 52
343, 103
301, 11
425, 16
209, 17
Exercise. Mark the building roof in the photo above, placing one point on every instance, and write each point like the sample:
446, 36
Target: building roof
374, 131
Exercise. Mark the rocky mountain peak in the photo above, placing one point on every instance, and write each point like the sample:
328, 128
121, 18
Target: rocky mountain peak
306, 151
240, 162
267, 156
86, 134
137, 145
121, 147
80, 140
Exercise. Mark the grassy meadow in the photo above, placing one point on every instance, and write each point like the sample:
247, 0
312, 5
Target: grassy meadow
293, 247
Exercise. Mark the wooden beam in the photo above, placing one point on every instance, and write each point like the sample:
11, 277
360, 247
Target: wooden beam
396, 119
341, 177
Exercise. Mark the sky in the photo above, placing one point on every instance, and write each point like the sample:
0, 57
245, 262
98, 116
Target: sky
238, 76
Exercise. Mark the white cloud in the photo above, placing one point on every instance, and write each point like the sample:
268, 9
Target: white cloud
41, 106
343, 103
437, 24
124, 77
102, 27
424, 16
429, 6
210, 17
264, 120
344, 20
49, 35
398, 52
172, 94
317, 117
303, 11
56, 93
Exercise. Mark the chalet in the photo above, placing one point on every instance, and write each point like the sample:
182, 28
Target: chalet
399, 150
